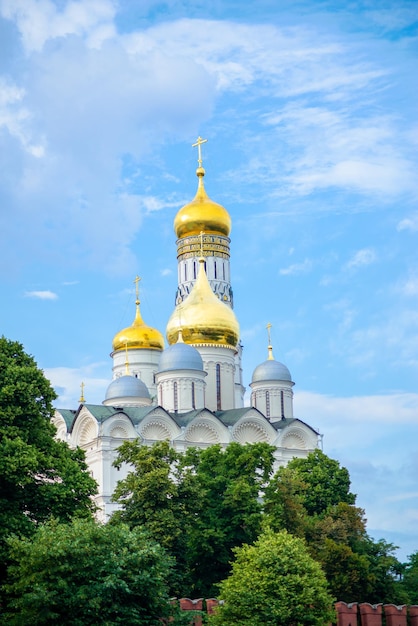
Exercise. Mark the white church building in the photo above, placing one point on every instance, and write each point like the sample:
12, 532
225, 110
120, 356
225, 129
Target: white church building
191, 392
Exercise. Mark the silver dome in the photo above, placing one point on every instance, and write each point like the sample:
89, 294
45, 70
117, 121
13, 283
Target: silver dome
180, 356
127, 386
271, 370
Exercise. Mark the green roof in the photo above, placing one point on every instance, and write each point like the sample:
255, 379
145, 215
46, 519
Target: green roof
68, 415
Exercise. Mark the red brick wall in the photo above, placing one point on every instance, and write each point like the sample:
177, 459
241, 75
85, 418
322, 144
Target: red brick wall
353, 614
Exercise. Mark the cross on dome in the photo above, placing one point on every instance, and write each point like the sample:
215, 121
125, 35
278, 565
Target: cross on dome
199, 149
136, 281
269, 347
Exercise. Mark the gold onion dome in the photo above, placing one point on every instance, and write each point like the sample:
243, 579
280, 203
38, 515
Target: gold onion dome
202, 214
138, 336
202, 318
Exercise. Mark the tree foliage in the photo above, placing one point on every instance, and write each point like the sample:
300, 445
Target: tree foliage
230, 482
325, 482
311, 498
199, 505
40, 477
410, 578
83, 573
274, 582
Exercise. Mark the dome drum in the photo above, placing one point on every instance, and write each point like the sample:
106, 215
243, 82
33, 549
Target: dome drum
205, 245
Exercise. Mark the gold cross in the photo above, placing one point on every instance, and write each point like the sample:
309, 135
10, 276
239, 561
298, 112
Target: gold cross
268, 332
82, 393
198, 143
136, 281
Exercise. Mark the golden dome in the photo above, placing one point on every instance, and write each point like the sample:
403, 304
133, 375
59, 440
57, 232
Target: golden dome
202, 215
139, 335
203, 318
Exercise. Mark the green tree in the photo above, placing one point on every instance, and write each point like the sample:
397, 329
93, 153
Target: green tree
83, 573
409, 582
383, 570
40, 477
324, 482
199, 505
284, 502
230, 482
274, 582
158, 494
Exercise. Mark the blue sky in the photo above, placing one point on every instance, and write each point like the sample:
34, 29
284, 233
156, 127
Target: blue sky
310, 113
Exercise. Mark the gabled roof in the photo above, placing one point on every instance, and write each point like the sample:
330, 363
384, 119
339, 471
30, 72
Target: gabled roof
68, 416
101, 413
137, 413
286, 421
232, 416
184, 419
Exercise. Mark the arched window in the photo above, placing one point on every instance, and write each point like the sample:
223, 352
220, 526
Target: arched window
176, 399
194, 269
282, 403
214, 270
193, 397
267, 404
218, 387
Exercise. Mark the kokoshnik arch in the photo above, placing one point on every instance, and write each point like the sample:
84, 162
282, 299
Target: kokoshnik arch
191, 392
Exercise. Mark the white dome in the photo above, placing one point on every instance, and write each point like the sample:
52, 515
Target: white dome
127, 386
180, 356
271, 370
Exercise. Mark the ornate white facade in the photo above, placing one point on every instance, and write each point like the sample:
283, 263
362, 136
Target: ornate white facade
190, 393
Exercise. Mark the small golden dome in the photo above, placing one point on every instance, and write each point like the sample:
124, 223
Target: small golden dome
202, 215
203, 318
138, 336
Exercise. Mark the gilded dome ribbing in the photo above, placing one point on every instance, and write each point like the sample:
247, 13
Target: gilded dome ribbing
202, 214
138, 336
203, 318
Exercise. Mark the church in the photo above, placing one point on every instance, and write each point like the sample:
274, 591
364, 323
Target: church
191, 391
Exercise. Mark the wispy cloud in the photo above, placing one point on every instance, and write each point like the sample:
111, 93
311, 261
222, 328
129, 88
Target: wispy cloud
359, 431
41, 295
361, 258
67, 382
40, 21
297, 268
409, 223
410, 286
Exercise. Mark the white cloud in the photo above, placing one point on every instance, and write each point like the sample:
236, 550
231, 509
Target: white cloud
41, 295
409, 223
363, 257
166, 272
67, 383
297, 268
351, 412
375, 437
410, 286
41, 20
